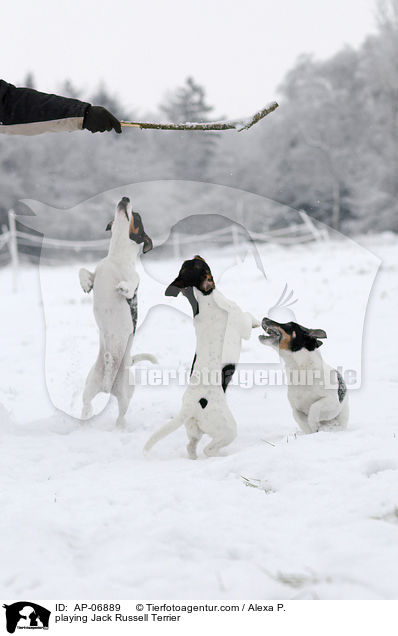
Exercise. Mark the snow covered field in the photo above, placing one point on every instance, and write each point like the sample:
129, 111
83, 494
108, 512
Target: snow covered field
86, 515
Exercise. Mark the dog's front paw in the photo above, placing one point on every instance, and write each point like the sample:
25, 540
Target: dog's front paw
125, 290
255, 322
86, 279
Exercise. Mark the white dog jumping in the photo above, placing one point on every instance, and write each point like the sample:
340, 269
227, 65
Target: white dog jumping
317, 393
114, 282
220, 326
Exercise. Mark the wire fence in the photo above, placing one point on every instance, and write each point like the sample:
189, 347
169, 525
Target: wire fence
15, 243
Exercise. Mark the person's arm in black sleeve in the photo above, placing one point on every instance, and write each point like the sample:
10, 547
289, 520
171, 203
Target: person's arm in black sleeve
25, 111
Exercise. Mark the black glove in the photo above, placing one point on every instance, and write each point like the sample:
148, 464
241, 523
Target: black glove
98, 119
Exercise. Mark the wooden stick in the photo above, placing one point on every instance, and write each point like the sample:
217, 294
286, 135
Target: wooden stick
237, 124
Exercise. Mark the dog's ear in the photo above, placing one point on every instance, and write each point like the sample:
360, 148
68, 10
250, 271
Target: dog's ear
200, 258
317, 333
148, 245
109, 226
175, 287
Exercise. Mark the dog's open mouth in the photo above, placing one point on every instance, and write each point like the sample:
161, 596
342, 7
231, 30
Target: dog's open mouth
271, 334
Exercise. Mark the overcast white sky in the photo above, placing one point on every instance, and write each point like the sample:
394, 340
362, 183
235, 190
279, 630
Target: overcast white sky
239, 49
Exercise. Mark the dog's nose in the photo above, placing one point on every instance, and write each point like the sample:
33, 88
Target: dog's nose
123, 203
266, 322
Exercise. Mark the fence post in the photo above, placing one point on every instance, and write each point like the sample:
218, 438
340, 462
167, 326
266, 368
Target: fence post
240, 211
317, 234
13, 247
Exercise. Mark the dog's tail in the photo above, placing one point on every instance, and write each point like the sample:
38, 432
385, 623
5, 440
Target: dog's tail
144, 356
165, 430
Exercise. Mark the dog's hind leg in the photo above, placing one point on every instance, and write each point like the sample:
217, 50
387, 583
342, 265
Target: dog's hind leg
91, 389
123, 391
322, 409
123, 402
194, 435
339, 421
109, 372
112, 352
302, 420
224, 432
213, 449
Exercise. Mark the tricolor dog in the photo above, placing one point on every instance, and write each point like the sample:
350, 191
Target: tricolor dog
114, 285
317, 393
219, 326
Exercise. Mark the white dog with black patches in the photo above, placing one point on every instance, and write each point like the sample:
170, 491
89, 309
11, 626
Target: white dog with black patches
317, 393
115, 281
220, 326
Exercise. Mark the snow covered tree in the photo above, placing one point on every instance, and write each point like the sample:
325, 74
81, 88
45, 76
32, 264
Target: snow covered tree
188, 103
379, 66
29, 81
102, 97
190, 152
324, 132
69, 90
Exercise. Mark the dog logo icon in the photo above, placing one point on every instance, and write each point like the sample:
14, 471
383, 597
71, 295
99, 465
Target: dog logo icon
281, 310
26, 615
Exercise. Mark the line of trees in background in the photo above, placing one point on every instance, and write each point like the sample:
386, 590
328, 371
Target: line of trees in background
331, 148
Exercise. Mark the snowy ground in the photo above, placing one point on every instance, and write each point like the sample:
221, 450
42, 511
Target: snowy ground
85, 515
